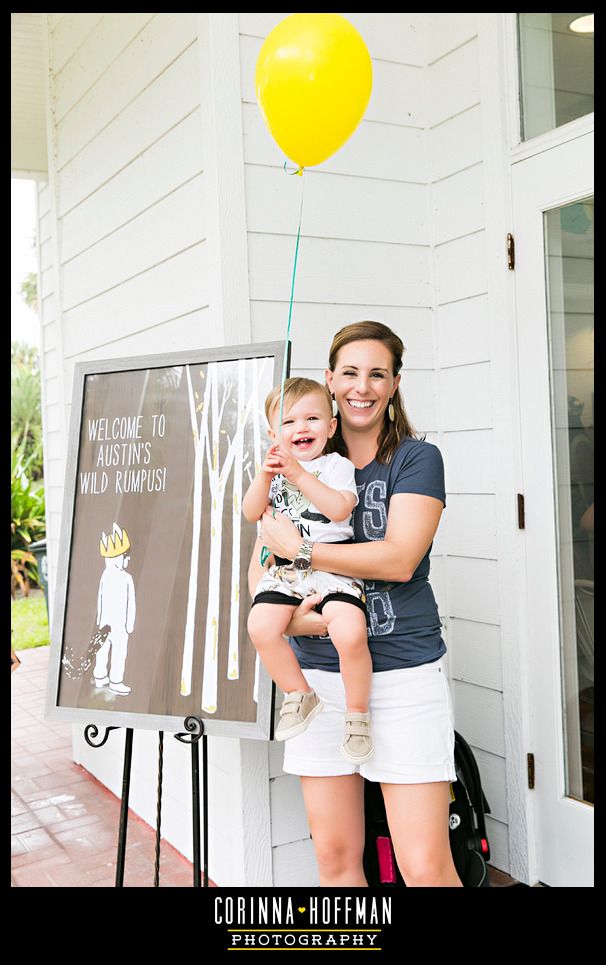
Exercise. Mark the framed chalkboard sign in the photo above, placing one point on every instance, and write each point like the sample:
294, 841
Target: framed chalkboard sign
152, 600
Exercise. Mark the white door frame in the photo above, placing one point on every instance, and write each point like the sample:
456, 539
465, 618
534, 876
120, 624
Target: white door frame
563, 826
502, 148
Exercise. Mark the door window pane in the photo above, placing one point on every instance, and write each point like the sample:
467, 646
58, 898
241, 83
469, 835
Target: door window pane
556, 69
569, 241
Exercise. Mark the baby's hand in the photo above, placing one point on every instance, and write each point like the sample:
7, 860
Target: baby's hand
289, 467
272, 464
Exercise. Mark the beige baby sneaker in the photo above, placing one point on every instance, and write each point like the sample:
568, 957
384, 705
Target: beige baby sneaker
357, 745
297, 711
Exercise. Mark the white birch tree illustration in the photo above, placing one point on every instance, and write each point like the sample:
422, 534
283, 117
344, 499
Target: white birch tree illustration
208, 454
200, 434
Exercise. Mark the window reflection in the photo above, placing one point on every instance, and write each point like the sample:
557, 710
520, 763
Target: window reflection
556, 70
569, 252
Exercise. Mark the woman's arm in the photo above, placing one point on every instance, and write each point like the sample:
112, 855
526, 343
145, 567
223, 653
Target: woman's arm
412, 522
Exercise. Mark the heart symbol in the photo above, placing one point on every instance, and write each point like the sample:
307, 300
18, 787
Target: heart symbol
301, 910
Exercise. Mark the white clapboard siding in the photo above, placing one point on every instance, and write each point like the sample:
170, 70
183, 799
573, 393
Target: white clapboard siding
156, 235
498, 837
94, 57
375, 149
157, 45
458, 204
388, 36
469, 461
461, 268
479, 716
473, 589
360, 209
69, 32
168, 290
183, 334
419, 390
493, 775
397, 95
447, 31
294, 865
454, 83
52, 390
463, 331
313, 327
465, 397
344, 272
472, 526
475, 653
288, 818
158, 108
456, 143
151, 176
437, 579
45, 258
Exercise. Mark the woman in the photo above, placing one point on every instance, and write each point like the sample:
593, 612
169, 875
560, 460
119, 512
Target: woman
401, 498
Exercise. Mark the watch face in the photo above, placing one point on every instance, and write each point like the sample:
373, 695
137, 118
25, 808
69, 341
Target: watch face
302, 564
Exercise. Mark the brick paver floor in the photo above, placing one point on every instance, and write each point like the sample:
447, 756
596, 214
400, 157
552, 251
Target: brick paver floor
64, 821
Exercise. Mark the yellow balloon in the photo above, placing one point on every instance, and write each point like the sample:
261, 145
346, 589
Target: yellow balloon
313, 83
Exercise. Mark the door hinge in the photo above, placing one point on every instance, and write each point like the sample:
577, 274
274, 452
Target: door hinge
530, 760
521, 512
511, 252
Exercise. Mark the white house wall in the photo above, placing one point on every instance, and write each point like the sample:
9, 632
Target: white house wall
124, 273
461, 305
393, 229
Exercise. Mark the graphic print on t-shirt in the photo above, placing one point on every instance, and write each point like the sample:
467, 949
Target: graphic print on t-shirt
372, 505
290, 501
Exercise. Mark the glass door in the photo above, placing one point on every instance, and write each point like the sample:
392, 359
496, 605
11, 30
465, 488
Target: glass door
569, 243
553, 229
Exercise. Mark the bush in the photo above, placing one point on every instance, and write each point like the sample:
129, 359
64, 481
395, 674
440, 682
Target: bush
26, 415
27, 518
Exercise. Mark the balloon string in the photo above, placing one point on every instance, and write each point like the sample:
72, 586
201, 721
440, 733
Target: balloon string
265, 552
292, 294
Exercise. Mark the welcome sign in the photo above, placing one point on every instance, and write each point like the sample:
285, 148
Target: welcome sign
152, 598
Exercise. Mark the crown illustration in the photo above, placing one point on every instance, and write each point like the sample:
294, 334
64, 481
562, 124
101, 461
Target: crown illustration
114, 545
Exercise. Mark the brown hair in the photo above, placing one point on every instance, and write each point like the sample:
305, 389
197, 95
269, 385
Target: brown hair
295, 389
392, 433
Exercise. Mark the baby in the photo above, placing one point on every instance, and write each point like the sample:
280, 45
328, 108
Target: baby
318, 492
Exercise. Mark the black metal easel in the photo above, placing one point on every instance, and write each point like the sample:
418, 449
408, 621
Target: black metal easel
194, 727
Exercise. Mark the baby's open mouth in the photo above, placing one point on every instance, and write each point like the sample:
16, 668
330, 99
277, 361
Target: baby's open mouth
303, 442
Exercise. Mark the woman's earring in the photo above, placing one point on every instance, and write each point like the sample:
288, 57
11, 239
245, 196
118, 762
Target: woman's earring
335, 407
391, 412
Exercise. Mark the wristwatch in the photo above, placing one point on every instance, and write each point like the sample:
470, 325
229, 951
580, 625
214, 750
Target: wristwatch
302, 560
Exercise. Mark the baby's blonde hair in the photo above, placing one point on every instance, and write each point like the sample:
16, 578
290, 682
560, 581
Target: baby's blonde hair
295, 389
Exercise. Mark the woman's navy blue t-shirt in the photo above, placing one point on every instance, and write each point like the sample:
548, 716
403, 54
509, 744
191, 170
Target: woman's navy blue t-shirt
403, 623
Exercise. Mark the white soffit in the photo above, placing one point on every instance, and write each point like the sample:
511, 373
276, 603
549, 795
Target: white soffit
28, 113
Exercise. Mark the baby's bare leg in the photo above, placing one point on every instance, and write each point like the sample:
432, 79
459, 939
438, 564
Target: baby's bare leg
347, 630
266, 625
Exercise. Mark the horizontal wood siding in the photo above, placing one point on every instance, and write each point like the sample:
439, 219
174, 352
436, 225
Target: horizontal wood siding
466, 421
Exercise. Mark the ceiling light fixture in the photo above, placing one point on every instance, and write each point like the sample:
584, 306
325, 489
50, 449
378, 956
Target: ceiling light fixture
582, 25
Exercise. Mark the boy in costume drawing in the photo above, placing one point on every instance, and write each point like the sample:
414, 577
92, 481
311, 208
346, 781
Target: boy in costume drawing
116, 607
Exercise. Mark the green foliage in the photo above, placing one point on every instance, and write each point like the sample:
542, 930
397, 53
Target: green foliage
29, 622
29, 290
27, 517
26, 414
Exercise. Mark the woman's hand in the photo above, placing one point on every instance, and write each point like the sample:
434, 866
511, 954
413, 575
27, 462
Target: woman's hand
305, 622
280, 535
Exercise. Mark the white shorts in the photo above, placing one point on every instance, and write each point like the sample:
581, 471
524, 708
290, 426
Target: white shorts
412, 726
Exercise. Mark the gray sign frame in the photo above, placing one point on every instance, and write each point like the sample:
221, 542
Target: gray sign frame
258, 729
